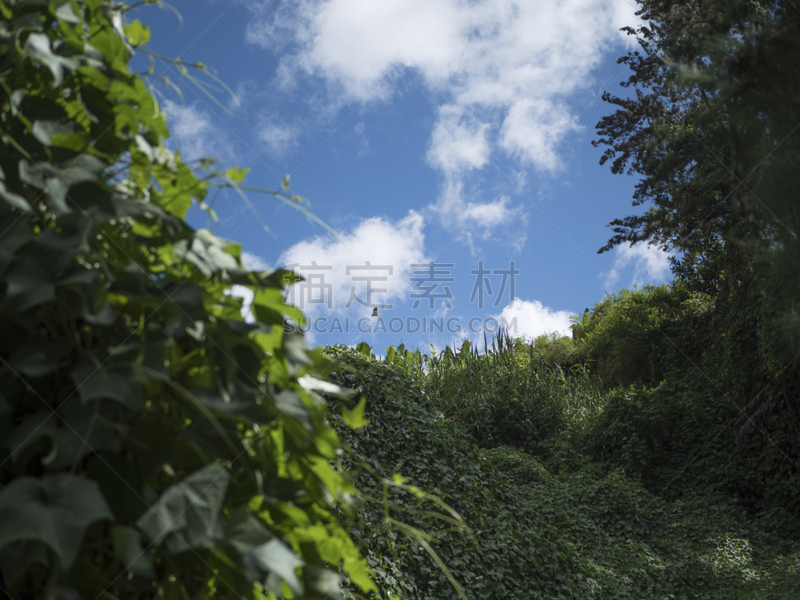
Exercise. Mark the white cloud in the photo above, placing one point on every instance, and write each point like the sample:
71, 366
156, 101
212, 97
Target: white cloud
531, 319
458, 144
254, 262
523, 136
501, 71
390, 248
195, 133
645, 263
278, 137
467, 215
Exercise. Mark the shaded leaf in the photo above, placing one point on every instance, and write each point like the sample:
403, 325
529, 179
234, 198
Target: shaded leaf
187, 515
277, 559
134, 556
40, 357
55, 510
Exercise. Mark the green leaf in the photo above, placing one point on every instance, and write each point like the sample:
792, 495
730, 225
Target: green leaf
56, 180
354, 418
56, 510
28, 285
95, 382
13, 199
37, 48
187, 515
40, 357
236, 175
134, 556
66, 14
44, 130
280, 562
137, 33
17, 558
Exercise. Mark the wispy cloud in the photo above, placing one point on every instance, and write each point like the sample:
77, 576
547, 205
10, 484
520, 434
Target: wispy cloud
464, 211
277, 137
255, 262
195, 132
501, 72
644, 263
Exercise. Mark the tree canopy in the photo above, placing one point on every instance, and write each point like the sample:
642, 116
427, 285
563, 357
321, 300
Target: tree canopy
708, 125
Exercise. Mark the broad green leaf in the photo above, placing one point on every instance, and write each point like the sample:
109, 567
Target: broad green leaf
37, 47
15, 559
40, 357
56, 510
66, 14
236, 174
44, 130
13, 199
137, 33
280, 562
95, 382
28, 285
71, 141
354, 418
187, 515
130, 550
269, 308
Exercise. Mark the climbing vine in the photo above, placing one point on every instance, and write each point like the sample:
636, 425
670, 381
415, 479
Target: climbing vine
153, 443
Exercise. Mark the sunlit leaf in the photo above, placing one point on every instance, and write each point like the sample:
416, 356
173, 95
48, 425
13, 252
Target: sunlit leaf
354, 418
137, 33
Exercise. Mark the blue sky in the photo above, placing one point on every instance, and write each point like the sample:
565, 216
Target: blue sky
447, 144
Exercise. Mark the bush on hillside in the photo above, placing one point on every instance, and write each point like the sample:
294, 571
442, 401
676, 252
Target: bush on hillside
588, 533
557, 350
643, 336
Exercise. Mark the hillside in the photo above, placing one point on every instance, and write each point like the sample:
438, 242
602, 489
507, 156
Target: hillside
507, 524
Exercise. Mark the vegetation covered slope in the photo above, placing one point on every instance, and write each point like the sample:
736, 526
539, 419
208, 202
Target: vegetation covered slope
556, 525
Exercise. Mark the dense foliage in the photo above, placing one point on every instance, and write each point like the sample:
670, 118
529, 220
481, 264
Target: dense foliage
152, 442
442, 515
709, 125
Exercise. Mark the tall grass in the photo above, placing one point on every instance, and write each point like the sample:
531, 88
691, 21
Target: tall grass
507, 395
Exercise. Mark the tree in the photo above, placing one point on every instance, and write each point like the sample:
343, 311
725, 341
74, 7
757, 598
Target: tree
152, 442
705, 111
712, 127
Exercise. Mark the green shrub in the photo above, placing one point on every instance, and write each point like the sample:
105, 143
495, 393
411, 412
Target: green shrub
643, 336
684, 440
507, 396
589, 532
557, 350
152, 443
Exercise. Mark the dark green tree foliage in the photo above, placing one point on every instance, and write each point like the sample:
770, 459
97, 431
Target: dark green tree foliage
152, 443
645, 336
710, 126
684, 128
